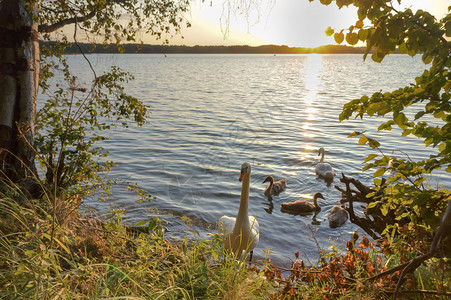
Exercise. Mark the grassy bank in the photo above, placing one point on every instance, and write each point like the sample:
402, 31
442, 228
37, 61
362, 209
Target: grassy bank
53, 252
82, 257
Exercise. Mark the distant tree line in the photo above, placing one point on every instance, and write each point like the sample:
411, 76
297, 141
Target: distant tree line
172, 49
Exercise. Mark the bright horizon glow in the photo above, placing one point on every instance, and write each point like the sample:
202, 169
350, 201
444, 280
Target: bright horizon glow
295, 23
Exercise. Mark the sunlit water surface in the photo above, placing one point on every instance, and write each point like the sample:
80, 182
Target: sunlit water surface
210, 113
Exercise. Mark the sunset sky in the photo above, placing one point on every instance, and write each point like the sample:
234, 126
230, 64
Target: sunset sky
296, 23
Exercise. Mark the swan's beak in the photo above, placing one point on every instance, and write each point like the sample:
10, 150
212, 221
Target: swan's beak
266, 180
243, 173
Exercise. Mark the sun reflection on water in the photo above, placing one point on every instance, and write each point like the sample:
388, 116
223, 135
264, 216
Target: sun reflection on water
310, 79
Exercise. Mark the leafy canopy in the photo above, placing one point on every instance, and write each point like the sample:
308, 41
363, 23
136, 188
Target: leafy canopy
112, 20
74, 118
422, 109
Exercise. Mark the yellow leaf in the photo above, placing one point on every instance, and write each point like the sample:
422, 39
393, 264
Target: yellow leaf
352, 38
339, 37
359, 24
376, 58
363, 34
329, 31
363, 139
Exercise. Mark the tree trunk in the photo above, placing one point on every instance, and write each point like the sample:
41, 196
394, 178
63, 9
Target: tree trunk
19, 75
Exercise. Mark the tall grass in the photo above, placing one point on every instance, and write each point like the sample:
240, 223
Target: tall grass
49, 251
41, 257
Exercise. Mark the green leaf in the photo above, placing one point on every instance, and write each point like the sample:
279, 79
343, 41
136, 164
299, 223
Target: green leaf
372, 204
400, 119
427, 59
367, 167
428, 141
447, 86
406, 132
403, 48
373, 143
419, 114
385, 126
361, 12
448, 28
440, 114
384, 210
379, 172
370, 157
419, 181
394, 178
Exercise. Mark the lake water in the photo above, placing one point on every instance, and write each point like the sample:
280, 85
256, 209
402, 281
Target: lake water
210, 113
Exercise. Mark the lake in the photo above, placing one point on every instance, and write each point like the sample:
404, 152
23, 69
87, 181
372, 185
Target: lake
211, 113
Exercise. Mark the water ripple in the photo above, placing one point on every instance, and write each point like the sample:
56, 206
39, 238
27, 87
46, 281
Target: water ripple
210, 113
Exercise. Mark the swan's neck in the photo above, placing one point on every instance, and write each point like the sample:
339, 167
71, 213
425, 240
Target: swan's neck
242, 213
315, 202
270, 185
322, 156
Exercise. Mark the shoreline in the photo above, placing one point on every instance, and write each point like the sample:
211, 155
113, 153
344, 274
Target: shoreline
173, 49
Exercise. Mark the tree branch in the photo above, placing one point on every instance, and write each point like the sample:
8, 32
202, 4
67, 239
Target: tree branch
62, 23
443, 230
75, 19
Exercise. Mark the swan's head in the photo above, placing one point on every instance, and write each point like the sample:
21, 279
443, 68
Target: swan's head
269, 179
245, 169
318, 195
321, 150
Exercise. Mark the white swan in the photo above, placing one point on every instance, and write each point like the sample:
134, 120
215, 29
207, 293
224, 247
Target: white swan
324, 169
241, 233
302, 206
337, 216
274, 187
